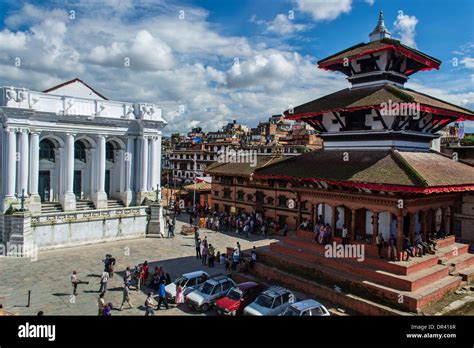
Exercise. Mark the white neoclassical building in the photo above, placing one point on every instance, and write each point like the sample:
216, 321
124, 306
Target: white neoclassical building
70, 149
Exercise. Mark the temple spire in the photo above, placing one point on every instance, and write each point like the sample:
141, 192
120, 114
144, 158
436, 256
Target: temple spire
380, 30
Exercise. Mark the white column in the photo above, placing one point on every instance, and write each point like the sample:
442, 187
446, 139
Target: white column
68, 199
101, 176
153, 164
158, 161
24, 161
128, 163
69, 163
144, 164
34, 163
11, 163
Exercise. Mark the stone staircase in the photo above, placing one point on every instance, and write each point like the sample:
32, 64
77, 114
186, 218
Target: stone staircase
114, 203
84, 205
51, 207
405, 285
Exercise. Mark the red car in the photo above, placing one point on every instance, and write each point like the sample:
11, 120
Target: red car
237, 298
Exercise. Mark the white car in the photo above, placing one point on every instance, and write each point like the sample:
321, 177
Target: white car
306, 308
204, 296
188, 281
271, 302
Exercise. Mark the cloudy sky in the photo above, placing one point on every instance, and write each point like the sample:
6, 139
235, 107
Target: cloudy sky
208, 62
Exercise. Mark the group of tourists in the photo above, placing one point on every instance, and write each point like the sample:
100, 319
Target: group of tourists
205, 251
242, 223
419, 248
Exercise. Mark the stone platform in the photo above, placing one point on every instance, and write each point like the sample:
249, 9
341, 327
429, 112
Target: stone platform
405, 285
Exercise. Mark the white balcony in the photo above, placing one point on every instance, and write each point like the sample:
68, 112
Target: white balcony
22, 98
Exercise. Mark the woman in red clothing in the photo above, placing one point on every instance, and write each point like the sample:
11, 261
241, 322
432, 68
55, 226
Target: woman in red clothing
144, 273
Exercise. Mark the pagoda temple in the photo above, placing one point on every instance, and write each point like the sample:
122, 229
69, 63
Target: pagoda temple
377, 174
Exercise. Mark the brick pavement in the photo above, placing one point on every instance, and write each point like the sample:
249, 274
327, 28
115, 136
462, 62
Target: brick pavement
48, 278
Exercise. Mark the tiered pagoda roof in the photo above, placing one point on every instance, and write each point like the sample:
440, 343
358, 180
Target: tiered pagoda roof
365, 148
385, 170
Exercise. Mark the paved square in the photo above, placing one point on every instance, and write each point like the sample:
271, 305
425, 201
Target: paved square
48, 278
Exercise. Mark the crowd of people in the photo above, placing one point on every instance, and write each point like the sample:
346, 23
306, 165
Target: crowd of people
242, 223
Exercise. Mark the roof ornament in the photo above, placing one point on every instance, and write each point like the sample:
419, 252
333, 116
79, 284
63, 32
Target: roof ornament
380, 32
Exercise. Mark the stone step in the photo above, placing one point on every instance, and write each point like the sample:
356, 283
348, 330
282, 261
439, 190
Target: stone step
467, 274
406, 300
396, 267
461, 262
410, 282
453, 250
313, 288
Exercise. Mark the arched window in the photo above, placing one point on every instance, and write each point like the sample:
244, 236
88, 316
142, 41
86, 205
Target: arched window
80, 151
109, 152
47, 150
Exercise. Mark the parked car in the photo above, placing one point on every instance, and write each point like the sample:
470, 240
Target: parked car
188, 281
306, 308
204, 296
272, 301
234, 302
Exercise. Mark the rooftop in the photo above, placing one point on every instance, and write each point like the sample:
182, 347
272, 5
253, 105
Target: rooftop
387, 170
351, 99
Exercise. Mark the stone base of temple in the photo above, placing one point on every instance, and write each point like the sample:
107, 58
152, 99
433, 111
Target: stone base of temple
126, 198
408, 286
100, 200
68, 201
34, 204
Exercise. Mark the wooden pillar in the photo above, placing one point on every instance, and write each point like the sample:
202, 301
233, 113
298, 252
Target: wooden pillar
312, 212
333, 222
412, 228
399, 230
353, 224
451, 220
443, 219
375, 226
298, 219
424, 224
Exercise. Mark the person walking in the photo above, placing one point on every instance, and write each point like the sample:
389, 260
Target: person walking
211, 255
103, 282
128, 275
144, 273
205, 252
101, 304
162, 295
111, 266
198, 248
170, 230
75, 281
149, 305
126, 296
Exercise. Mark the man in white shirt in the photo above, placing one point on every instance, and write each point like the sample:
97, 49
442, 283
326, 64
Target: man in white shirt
150, 305
103, 282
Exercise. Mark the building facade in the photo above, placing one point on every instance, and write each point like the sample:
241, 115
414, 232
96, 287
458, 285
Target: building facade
69, 149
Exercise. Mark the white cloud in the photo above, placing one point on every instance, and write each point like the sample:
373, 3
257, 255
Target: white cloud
405, 26
142, 52
468, 62
283, 25
370, 2
322, 10
173, 62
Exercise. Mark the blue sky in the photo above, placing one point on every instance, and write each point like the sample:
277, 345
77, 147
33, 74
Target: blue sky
225, 60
